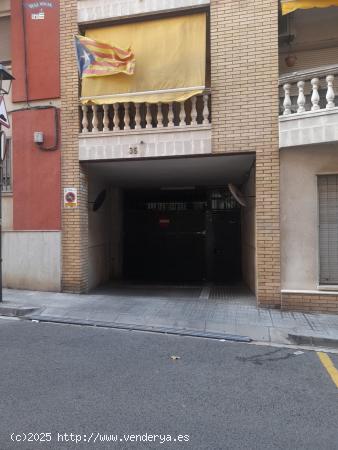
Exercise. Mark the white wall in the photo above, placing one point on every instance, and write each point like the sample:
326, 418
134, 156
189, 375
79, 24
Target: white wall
32, 260
315, 127
105, 146
249, 233
299, 212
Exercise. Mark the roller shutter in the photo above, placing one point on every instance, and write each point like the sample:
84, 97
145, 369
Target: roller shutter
328, 228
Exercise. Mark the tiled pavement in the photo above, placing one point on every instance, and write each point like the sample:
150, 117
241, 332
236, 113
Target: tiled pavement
217, 309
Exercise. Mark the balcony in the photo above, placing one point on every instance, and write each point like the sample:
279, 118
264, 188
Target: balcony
132, 130
93, 10
309, 107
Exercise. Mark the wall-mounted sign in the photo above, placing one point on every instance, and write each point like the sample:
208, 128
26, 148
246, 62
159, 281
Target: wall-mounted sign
3, 113
38, 16
70, 198
41, 5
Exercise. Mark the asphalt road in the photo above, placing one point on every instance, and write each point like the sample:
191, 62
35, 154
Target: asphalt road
95, 383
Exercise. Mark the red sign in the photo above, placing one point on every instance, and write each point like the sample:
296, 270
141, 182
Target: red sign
70, 198
164, 223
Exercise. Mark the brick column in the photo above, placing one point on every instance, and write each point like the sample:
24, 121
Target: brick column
74, 222
244, 83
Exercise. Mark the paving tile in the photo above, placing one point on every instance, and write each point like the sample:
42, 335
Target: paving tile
228, 309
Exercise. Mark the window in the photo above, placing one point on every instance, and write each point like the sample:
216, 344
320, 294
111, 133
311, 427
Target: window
5, 39
7, 169
328, 228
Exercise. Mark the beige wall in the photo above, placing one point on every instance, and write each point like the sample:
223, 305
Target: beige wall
99, 236
299, 212
249, 233
5, 7
244, 86
74, 221
105, 235
7, 212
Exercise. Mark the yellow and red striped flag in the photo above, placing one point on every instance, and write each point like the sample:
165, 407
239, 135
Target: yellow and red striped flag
98, 59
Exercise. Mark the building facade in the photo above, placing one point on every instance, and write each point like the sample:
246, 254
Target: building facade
228, 100
31, 181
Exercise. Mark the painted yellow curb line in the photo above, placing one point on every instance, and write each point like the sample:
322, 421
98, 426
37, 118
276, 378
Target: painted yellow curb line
328, 364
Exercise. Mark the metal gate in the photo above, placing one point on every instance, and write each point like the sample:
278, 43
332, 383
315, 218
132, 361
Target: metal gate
181, 236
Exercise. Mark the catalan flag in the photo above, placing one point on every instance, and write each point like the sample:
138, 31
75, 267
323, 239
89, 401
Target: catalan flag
98, 59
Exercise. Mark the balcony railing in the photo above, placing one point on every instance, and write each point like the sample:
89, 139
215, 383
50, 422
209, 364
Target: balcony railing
309, 91
135, 117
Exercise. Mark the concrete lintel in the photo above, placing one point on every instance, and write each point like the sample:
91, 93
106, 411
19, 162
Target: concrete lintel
308, 292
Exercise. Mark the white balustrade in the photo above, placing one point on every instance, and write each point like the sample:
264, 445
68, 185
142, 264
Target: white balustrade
148, 117
330, 95
315, 94
309, 91
193, 111
85, 122
170, 116
126, 117
205, 110
287, 99
301, 97
116, 120
131, 117
182, 115
105, 118
95, 120
159, 116
137, 117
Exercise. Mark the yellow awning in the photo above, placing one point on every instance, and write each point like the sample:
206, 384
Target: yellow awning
289, 6
170, 59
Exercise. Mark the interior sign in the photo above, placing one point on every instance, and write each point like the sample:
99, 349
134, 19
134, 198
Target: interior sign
70, 198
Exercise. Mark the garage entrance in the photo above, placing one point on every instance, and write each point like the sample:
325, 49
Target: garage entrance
182, 235
169, 221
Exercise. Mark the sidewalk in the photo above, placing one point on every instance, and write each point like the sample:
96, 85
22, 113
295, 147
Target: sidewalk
233, 316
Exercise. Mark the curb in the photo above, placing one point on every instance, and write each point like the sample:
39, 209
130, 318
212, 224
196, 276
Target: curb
17, 311
132, 327
316, 341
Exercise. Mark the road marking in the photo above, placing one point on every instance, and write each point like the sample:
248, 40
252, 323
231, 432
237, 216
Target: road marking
328, 364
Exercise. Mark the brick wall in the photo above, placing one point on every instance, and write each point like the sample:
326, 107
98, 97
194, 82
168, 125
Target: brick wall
325, 303
244, 83
74, 222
